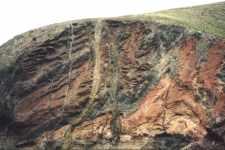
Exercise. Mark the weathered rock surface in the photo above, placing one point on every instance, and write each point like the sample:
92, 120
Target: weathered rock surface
114, 83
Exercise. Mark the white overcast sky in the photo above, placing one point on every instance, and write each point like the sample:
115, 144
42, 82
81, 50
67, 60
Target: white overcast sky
18, 16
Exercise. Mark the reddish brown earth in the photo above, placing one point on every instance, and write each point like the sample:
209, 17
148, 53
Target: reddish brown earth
121, 84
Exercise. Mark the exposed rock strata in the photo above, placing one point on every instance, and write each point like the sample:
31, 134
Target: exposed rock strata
116, 84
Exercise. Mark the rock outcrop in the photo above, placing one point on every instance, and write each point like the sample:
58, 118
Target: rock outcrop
114, 84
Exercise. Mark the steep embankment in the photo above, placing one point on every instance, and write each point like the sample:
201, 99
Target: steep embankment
126, 83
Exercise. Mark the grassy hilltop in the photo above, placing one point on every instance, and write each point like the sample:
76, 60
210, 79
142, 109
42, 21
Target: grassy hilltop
206, 18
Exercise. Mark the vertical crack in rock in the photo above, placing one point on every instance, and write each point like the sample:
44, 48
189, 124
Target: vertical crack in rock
67, 91
115, 124
67, 136
97, 68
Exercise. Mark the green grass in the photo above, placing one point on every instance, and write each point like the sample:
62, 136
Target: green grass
206, 18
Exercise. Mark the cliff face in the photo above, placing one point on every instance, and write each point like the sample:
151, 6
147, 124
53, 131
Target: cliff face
114, 83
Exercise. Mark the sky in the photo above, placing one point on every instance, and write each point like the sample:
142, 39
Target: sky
18, 16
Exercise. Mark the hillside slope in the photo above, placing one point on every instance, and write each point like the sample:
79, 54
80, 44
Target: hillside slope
152, 81
207, 18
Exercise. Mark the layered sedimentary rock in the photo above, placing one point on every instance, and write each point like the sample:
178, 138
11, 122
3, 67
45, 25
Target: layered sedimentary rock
123, 84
